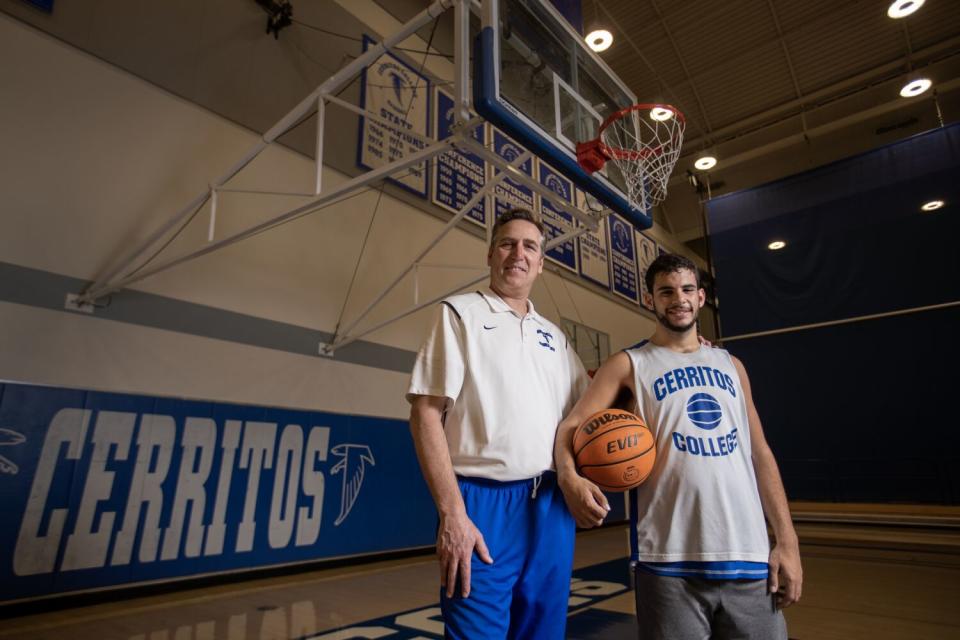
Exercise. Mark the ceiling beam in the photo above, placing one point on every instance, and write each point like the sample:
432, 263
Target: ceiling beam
786, 55
683, 65
668, 92
824, 129
765, 118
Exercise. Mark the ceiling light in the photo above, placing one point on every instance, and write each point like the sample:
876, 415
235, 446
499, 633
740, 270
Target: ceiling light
660, 114
776, 245
706, 162
933, 205
599, 39
903, 8
915, 87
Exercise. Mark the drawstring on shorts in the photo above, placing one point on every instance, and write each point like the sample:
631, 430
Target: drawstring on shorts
536, 485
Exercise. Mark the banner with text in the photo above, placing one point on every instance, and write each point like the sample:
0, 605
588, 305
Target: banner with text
509, 194
623, 258
398, 94
594, 249
102, 489
646, 253
458, 175
557, 222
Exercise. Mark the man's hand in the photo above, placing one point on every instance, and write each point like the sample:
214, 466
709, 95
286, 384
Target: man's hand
585, 500
786, 574
457, 538
704, 341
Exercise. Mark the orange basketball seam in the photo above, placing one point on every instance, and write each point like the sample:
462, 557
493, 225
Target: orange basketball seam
609, 464
623, 426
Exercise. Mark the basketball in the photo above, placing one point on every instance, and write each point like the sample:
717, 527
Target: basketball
614, 449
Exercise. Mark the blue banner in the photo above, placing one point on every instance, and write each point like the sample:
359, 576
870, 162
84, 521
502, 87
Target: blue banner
102, 490
458, 176
555, 221
509, 194
623, 259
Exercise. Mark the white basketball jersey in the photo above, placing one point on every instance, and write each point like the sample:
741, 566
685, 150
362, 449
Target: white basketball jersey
700, 503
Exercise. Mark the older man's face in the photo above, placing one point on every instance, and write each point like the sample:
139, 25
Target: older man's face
516, 258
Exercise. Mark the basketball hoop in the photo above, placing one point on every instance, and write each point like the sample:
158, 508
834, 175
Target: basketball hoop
643, 142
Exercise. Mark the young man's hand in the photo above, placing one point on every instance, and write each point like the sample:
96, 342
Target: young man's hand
586, 501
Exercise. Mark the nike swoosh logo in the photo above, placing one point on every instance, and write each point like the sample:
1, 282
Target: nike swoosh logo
488, 328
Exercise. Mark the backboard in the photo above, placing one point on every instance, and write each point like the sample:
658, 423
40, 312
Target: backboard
535, 78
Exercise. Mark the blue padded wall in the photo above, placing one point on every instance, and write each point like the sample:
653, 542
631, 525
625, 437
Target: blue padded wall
861, 411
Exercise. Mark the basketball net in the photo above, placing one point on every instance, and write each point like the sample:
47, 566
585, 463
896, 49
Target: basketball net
643, 142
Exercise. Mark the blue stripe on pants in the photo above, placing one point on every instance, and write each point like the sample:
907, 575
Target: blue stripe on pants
524, 593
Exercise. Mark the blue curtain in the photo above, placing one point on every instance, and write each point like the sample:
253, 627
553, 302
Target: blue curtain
860, 411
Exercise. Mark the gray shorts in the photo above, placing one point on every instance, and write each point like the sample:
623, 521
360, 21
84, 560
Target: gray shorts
671, 608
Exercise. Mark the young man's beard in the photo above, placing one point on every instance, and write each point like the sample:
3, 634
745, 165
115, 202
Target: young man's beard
665, 321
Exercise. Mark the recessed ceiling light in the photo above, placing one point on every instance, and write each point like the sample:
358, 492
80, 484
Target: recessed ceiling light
933, 205
660, 114
915, 87
776, 245
599, 39
903, 8
705, 162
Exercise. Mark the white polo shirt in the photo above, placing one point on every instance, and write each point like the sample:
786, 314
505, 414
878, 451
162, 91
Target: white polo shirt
508, 380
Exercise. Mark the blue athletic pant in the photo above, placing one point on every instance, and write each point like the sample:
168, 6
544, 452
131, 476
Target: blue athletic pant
524, 593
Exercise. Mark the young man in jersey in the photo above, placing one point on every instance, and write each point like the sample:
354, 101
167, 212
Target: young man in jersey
703, 564
490, 384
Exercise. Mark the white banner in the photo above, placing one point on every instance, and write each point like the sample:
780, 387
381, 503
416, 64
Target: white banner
594, 250
401, 96
646, 253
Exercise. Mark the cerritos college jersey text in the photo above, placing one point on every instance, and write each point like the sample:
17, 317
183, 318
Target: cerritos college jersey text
699, 512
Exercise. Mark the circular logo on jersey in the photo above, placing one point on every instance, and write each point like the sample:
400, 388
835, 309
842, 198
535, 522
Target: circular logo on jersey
704, 411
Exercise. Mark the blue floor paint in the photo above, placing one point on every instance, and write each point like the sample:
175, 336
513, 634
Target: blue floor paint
590, 586
594, 623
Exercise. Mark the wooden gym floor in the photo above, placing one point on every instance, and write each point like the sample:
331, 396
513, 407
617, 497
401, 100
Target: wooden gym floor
872, 573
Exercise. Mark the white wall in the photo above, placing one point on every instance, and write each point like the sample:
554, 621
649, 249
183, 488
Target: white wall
94, 159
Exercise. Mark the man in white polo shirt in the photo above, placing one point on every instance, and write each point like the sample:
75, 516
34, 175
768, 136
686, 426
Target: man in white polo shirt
490, 384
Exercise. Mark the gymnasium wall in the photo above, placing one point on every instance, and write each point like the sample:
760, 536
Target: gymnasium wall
175, 431
859, 411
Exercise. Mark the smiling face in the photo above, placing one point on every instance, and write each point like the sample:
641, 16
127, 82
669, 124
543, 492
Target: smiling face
677, 300
515, 258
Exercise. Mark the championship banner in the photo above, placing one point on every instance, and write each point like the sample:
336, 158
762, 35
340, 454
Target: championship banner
509, 194
556, 222
623, 261
646, 253
398, 94
102, 490
594, 249
457, 175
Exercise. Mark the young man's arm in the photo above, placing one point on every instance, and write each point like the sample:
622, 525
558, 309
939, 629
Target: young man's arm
585, 499
786, 574
457, 536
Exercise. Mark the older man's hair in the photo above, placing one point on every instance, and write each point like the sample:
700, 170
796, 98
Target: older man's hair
518, 213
